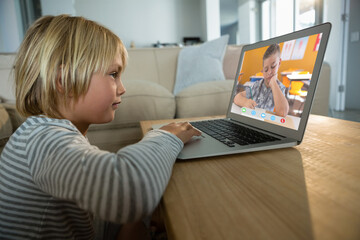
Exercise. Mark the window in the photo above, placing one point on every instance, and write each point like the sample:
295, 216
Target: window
304, 14
279, 17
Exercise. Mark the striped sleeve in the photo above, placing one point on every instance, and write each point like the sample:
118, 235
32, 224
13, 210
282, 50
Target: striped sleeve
119, 187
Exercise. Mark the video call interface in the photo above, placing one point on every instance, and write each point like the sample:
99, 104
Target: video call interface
273, 81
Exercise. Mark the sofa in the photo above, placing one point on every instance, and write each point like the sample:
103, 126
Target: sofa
149, 79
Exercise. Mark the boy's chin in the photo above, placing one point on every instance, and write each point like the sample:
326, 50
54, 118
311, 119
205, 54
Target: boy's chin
106, 119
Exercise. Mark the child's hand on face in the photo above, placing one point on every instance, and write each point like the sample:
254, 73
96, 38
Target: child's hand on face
249, 103
184, 130
272, 80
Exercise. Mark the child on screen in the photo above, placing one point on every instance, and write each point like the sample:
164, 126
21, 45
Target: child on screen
267, 93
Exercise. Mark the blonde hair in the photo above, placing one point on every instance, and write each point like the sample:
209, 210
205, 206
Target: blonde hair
70, 48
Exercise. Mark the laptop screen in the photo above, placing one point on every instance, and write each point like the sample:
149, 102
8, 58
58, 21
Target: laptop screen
273, 81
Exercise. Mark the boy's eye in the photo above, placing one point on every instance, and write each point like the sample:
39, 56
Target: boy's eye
114, 75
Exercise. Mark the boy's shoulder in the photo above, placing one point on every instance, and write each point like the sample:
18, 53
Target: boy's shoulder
45, 123
258, 83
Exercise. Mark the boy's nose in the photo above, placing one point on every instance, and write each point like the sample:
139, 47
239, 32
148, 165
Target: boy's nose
120, 88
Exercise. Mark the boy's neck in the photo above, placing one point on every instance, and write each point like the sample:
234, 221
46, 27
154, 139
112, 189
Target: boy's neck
83, 128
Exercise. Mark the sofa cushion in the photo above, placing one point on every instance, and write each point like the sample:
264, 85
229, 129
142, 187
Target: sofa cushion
201, 63
143, 100
204, 99
156, 65
5, 126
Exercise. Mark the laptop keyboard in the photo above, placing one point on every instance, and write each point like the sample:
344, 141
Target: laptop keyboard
230, 133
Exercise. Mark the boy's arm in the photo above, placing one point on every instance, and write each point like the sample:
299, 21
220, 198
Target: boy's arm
120, 187
280, 101
241, 100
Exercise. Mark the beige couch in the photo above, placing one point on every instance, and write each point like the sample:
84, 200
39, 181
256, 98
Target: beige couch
149, 79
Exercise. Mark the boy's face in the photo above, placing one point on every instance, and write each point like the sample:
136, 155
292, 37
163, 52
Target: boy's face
103, 97
271, 66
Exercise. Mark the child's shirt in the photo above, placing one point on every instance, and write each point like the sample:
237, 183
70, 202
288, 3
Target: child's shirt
52, 180
263, 95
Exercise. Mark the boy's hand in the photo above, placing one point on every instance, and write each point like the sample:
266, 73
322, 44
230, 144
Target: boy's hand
183, 130
241, 100
249, 103
272, 81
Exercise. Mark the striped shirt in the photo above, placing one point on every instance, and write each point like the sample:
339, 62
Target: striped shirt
52, 181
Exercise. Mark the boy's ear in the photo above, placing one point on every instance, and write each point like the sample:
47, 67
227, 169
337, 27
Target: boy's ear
59, 82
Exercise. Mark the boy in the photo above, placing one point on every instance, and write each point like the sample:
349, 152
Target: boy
52, 181
268, 93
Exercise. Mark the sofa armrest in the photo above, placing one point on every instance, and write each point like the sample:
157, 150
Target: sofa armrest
6, 127
321, 99
15, 118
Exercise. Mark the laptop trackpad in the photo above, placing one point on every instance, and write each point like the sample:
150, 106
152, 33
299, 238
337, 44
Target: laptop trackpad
202, 146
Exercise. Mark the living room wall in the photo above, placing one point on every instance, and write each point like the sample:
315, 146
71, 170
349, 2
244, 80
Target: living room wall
141, 22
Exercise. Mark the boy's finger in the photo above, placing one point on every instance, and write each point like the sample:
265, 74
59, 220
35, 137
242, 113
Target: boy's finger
197, 132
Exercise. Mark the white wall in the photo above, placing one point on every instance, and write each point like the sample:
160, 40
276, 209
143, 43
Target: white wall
9, 27
56, 7
145, 22
332, 14
141, 22
247, 22
352, 100
212, 19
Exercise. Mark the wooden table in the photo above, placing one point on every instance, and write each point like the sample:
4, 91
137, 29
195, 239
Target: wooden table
311, 191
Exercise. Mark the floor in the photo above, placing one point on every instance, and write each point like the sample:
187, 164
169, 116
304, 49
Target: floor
349, 114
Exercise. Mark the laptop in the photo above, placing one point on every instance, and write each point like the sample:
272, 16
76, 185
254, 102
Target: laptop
263, 126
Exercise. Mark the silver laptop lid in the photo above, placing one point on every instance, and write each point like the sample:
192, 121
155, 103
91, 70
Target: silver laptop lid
298, 68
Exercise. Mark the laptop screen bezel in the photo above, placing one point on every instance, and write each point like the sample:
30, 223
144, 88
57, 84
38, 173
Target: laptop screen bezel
284, 131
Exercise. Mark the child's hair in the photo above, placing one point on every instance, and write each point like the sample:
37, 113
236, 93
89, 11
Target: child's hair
65, 47
272, 49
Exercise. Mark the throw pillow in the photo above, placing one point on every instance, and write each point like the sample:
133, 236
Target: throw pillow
201, 63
